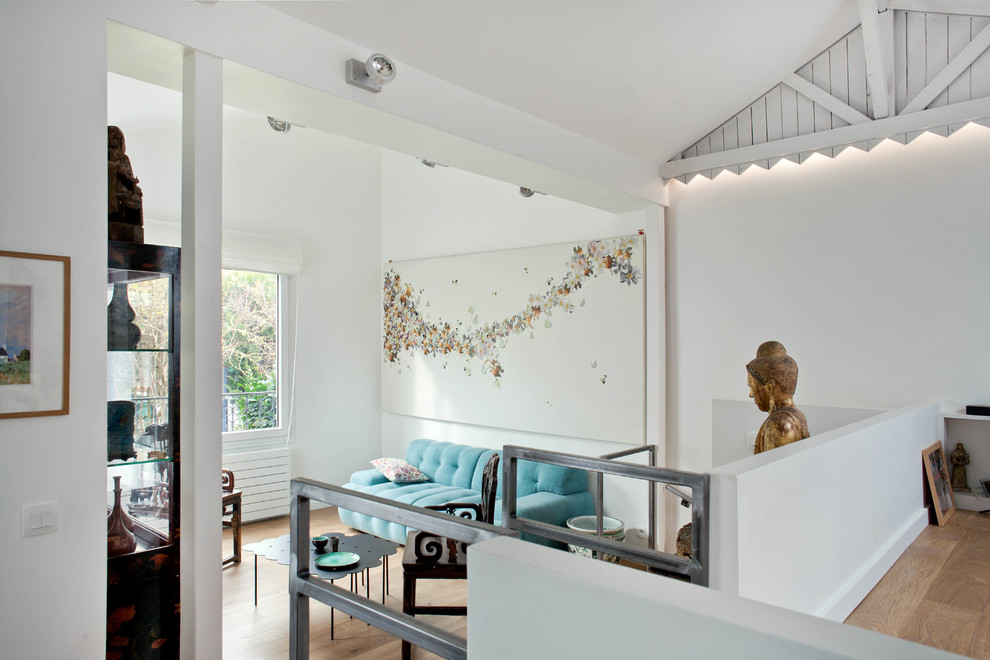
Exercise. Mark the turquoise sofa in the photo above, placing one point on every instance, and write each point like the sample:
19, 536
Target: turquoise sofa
547, 493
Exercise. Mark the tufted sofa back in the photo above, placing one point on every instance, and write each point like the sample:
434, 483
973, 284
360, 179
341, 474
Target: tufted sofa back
463, 466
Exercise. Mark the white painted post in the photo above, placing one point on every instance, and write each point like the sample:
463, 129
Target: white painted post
656, 356
200, 440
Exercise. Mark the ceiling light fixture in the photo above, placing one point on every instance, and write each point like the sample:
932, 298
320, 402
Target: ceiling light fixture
430, 163
279, 126
529, 192
371, 74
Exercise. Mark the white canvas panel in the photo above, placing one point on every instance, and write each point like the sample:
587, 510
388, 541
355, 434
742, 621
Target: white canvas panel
546, 339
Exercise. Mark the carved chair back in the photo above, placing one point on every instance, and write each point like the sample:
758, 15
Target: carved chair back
428, 547
489, 486
227, 481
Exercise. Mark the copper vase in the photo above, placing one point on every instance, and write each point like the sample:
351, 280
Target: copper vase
120, 539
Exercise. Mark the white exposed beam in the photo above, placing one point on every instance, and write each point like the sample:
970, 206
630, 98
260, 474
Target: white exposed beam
200, 587
878, 33
975, 110
952, 70
824, 99
964, 7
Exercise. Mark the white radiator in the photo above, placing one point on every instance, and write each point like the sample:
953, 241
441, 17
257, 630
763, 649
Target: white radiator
263, 476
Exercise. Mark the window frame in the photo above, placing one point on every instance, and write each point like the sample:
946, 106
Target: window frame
276, 436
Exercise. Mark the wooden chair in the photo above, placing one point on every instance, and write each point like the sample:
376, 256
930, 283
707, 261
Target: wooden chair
231, 514
483, 512
430, 557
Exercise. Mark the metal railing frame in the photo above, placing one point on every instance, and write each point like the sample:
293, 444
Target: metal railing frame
303, 586
651, 513
694, 568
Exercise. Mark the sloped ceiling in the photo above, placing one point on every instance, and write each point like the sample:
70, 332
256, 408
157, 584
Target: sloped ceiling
900, 74
647, 78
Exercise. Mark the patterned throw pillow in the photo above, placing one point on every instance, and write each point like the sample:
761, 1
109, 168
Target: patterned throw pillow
398, 470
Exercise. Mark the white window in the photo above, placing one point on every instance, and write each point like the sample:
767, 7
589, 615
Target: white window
255, 345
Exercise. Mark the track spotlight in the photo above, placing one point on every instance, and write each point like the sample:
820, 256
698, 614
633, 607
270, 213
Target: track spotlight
430, 163
378, 70
279, 126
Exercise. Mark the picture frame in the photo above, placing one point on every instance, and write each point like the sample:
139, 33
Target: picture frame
34, 334
937, 477
985, 483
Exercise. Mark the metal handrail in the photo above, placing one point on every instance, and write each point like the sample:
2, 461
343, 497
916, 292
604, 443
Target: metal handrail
651, 513
694, 568
303, 586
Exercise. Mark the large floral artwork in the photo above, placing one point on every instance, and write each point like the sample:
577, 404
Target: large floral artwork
545, 339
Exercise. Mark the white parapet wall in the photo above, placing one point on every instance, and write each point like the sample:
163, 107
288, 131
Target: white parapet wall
813, 526
736, 422
529, 601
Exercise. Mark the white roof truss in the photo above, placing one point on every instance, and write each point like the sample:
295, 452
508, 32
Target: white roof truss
912, 66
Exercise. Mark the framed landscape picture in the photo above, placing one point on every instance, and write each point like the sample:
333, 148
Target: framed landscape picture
34, 335
937, 476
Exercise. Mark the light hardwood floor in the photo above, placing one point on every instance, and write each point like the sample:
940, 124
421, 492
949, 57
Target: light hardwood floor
936, 594
261, 633
938, 591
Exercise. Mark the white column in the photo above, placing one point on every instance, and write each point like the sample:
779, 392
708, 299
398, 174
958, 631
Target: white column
200, 440
656, 352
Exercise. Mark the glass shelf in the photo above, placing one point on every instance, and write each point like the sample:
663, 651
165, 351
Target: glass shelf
145, 496
143, 456
139, 350
138, 305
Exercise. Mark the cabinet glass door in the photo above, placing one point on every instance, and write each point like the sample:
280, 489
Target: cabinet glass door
140, 380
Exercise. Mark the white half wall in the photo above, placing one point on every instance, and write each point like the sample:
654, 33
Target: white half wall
736, 423
430, 212
560, 605
870, 268
814, 525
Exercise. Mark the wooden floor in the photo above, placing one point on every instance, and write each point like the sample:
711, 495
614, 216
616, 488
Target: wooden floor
937, 593
256, 633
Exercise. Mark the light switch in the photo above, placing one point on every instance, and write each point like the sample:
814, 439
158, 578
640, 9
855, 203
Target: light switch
39, 518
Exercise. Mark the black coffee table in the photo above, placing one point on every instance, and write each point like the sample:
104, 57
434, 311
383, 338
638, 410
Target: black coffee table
373, 551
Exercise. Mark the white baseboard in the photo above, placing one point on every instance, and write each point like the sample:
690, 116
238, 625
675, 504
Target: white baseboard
860, 585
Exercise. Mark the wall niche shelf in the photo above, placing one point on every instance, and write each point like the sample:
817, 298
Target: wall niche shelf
973, 431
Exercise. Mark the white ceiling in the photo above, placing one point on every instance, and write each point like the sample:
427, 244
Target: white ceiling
644, 77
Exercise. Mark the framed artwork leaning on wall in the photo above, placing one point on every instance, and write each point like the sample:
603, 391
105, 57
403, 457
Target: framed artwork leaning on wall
937, 477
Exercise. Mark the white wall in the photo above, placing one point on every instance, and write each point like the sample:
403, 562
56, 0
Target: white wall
560, 605
323, 193
445, 211
53, 201
736, 423
870, 268
813, 526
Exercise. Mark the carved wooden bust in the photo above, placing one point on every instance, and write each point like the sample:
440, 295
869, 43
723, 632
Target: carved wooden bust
772, 378
124, 207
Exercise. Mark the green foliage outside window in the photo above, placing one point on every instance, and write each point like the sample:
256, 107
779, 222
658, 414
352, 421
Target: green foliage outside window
249, 349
